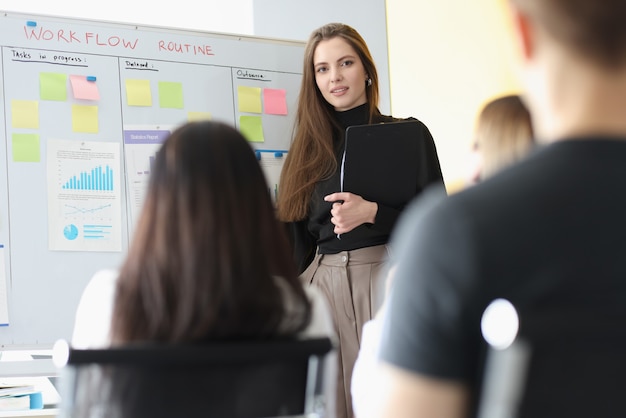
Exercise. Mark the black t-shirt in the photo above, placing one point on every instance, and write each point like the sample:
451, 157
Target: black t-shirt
548, 235
316, 231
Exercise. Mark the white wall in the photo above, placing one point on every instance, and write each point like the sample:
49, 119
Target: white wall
229, 16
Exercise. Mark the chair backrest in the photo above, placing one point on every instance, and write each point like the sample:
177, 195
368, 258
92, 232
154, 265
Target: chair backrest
219, 379
568, 363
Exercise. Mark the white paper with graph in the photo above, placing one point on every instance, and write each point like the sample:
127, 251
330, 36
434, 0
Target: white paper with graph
84, 197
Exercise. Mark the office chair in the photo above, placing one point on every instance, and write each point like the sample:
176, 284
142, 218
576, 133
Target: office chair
564, 363
233, 379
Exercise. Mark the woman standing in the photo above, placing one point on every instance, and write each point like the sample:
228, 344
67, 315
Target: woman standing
340, 89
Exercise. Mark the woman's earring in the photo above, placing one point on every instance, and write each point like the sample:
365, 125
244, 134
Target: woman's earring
369, 82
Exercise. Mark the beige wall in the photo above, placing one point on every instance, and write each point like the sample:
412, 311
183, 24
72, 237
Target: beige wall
446, 58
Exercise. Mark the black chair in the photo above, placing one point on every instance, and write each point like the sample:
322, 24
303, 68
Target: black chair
236, 379
564, 363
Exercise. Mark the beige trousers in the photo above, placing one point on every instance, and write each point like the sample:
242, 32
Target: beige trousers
353, 283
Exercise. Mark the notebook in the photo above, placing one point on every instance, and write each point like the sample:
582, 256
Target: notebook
380, 162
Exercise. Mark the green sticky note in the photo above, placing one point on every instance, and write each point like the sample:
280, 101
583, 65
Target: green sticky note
85, 119
171, 94
249, 99
252, 128
53, 86
138, 92
25, 114
25, 148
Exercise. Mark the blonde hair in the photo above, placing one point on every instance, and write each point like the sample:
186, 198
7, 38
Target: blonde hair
504, 133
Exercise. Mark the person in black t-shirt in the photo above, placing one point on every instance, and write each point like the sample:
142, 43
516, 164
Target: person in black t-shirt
547, 235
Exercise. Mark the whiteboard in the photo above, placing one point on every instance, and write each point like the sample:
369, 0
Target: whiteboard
86, 104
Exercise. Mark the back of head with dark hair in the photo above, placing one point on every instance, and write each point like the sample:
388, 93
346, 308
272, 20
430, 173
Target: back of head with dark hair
594, 29
207, 250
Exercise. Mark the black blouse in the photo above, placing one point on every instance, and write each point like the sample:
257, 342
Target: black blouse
316, 231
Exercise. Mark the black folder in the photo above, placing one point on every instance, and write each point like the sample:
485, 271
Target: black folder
380, 162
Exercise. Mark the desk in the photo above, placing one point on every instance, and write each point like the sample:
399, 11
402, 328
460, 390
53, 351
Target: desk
31, 367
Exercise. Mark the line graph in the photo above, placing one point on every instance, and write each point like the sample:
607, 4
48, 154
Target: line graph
74, 209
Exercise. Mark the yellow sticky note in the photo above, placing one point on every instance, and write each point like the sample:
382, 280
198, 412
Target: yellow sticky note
196, 116
171, 95
249, 99
53, 86
25, 114
138, 92
252, 128
85, 119
25, 148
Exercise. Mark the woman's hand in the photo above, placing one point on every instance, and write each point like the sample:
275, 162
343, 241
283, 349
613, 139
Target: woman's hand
354, 211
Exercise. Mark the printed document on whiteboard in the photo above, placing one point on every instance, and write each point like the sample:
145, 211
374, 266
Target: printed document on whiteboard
141, 144
84, 196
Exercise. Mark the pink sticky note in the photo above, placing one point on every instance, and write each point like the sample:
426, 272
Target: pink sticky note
275, 101
84, 89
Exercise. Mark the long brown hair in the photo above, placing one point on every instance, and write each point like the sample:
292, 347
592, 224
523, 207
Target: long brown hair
311, 156
208, 258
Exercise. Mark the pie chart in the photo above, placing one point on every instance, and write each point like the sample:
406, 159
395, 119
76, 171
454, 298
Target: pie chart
71, 232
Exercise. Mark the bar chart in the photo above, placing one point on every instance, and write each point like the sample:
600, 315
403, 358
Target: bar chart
99, 179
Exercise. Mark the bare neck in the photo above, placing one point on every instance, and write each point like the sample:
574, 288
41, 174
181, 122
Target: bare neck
583, 100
